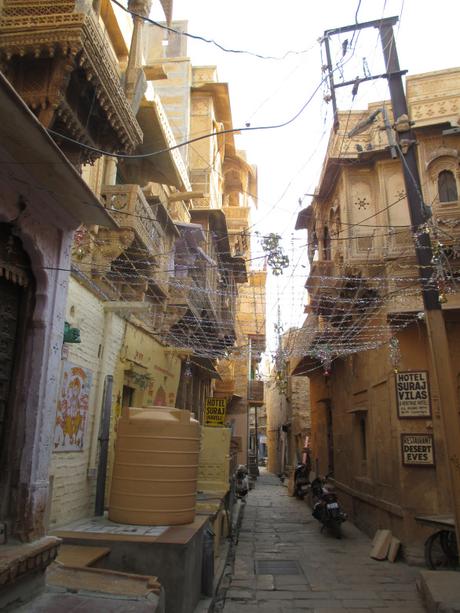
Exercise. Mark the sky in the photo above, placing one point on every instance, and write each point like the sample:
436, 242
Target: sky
267, 92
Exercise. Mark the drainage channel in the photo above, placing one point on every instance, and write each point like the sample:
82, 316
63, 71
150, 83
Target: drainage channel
218, 602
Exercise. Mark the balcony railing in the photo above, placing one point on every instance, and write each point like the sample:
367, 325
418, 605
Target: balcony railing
399, 242
205, 181
130, 210
236, 213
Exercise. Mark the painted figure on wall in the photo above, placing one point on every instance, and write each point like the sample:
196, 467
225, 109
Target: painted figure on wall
72, 408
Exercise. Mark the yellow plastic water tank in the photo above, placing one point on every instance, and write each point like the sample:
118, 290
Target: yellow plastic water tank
155, 468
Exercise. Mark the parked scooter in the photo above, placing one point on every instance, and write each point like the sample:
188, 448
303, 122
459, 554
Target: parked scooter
301, 480
241, 482
326, 507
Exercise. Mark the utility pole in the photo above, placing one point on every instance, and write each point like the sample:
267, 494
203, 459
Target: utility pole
436, 330
248, 433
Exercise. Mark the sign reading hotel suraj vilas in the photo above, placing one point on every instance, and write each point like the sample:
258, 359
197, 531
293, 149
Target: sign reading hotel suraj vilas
417, 449
413, 394
214, 412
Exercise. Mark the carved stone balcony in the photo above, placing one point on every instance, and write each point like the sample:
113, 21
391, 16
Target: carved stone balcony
130, 210
318, 278
138, 249
205, 181
168, 167
322, 287
58, 58
236, 215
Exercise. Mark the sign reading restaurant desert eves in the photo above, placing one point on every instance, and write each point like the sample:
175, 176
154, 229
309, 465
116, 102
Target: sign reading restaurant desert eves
413, 394
214, 413
417, 449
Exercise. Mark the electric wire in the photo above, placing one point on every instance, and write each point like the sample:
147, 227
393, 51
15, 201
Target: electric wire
211, 41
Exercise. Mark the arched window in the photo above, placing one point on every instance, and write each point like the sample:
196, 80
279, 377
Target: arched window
447, 186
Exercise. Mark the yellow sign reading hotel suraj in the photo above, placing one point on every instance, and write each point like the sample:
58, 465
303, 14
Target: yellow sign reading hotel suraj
214, 412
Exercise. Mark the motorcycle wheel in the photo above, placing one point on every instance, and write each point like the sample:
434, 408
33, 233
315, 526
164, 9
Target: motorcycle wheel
335, 528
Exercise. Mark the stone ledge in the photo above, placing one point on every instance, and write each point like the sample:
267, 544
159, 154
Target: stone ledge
440, 590
19, 560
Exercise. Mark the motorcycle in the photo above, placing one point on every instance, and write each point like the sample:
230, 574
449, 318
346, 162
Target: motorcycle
241, 482
301, 480
326, 507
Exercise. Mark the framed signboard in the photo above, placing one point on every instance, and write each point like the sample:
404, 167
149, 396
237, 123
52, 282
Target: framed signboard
417, 449
215, 411
413, 394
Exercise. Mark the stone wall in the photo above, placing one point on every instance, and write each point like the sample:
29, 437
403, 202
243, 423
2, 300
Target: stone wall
300, 403
73, 473
376, 488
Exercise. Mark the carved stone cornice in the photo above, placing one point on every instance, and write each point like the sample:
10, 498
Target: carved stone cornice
37, 30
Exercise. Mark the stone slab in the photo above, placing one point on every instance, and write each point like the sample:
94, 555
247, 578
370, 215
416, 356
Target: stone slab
381, 544
101, 580
76, 555
440, 590
75, 603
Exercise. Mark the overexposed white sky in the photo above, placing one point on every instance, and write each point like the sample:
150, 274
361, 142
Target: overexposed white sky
268, 92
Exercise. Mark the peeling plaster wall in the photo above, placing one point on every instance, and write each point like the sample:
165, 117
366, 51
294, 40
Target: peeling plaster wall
277, 415
73, 472
34, 396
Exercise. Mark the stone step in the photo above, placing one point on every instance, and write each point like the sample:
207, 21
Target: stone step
81, 555
440, 590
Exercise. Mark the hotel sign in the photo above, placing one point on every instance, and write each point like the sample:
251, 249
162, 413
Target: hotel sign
417, 449
215, 411
413, 394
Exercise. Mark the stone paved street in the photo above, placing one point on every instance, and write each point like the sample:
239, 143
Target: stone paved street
336, 575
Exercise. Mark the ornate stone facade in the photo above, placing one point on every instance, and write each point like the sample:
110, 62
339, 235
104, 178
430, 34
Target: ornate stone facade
365, 311
65, 71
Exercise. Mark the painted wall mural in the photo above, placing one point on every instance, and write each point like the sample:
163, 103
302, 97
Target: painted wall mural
72, 408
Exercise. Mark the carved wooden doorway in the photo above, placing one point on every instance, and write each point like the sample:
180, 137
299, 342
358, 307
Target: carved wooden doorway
15, 308
10, 298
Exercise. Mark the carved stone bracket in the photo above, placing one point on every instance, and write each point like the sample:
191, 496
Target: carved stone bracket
110, 245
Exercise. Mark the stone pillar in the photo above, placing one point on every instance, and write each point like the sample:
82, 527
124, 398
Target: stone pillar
110, 171
142, 9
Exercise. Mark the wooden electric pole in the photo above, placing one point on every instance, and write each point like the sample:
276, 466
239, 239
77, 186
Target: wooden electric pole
438, 342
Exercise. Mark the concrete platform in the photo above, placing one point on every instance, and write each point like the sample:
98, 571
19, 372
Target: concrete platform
440, 590
172, 553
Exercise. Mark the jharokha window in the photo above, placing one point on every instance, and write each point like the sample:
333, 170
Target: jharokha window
447, 186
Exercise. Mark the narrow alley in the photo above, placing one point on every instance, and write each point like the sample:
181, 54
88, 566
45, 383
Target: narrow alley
325, 574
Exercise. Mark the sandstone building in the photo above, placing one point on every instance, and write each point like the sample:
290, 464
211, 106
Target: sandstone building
374, 400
